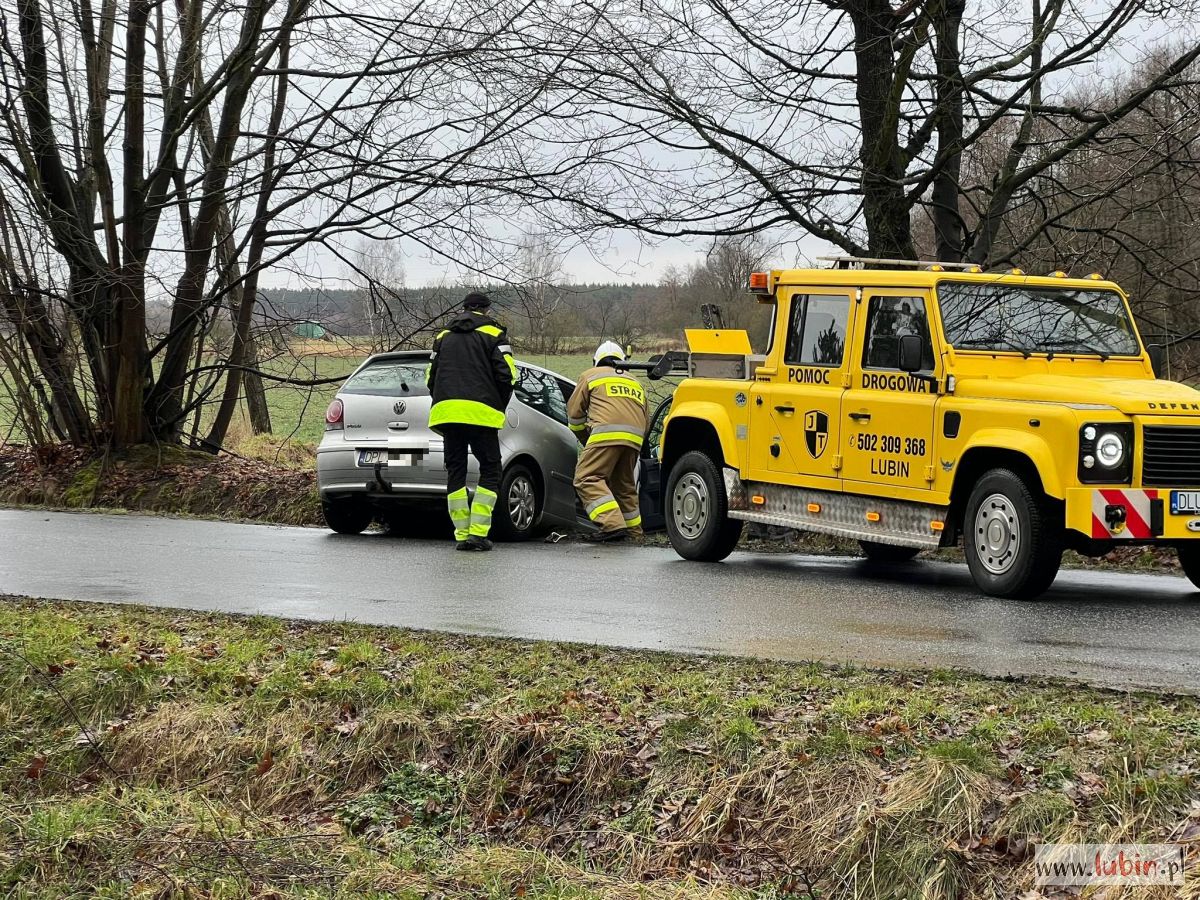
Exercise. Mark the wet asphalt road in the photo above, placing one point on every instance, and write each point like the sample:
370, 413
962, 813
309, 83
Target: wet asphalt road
1110, 629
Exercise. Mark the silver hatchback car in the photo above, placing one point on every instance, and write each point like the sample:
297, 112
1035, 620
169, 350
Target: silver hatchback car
379, 460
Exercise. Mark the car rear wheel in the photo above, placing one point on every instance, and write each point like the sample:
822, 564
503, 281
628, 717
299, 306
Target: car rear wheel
887, 553
346, 516
519, 505
1189, 561
697, 510
1012, 538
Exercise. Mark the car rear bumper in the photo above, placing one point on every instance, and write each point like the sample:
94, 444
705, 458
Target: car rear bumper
338, 474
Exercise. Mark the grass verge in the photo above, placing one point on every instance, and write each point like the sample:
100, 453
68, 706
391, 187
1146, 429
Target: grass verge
150, 753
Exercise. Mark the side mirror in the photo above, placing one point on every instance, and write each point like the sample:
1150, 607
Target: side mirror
911, 346
1158, 358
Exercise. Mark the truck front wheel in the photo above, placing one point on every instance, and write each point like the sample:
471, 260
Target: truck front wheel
1012, 537
697, 508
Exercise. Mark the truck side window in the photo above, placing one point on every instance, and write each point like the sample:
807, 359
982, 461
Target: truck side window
817, 330
889, 319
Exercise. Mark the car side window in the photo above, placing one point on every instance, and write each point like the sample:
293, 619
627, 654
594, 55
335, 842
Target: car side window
817, 330
541, 391
888, 320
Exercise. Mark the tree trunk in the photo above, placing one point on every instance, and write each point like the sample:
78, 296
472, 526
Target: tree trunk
885, 205
164, 406
947, 218
256, 395
245, 350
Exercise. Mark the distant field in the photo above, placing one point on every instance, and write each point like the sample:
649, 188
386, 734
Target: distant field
298, 413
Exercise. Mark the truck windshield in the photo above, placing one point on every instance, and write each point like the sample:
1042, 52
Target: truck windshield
1036, 320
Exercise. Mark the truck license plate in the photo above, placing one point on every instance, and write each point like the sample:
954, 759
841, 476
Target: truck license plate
1185, 503
387, 457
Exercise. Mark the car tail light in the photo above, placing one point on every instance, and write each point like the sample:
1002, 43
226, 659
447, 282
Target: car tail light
333, 416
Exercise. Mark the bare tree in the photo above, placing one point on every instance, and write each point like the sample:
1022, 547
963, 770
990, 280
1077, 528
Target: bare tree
207, 141
842, 119
539, 284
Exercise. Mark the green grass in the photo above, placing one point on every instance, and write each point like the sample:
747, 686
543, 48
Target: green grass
150, 753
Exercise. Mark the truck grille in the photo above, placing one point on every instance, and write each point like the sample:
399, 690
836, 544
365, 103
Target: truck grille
1171, 456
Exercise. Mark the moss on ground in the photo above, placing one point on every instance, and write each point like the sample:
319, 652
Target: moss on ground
153, 753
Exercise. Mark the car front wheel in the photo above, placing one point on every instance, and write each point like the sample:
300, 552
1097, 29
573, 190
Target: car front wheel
1012, 537
346, 516
518, 506
697, 510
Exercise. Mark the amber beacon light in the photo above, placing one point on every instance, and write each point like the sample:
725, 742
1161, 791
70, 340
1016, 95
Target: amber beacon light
759, 282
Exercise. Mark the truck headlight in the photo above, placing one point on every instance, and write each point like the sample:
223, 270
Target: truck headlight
1106, 453
1110, 450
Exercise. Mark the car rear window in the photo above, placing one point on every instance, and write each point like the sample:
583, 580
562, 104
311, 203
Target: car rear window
390, 378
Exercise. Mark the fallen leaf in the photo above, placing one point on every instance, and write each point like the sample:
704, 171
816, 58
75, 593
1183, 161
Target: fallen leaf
36, 766
265, 764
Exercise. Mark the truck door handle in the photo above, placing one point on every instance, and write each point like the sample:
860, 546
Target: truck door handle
785, 409
861, 417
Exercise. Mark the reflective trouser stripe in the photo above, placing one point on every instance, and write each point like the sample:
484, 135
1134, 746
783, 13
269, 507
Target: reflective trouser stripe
482, 505
460, 513
633, 518
602, 506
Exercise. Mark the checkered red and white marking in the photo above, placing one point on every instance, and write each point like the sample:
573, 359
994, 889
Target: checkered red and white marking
1137, 513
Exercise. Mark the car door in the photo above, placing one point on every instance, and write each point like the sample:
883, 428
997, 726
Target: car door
796, 412
539, 409
888, 413
650, 485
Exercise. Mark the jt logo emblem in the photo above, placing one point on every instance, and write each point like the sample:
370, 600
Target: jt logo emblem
816, 432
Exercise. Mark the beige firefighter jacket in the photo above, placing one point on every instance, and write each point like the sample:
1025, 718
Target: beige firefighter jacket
608, 409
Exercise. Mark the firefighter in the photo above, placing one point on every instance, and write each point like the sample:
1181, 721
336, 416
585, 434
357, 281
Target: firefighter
607, 412
471, 379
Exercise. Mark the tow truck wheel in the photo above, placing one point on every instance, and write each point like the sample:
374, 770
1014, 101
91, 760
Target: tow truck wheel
1013, 542
1189, 561
697, 508
346, 516
887, 553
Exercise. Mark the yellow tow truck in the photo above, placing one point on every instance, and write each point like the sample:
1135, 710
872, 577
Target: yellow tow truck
910, 408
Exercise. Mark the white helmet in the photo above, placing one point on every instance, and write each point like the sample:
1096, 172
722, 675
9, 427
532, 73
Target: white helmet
607, 349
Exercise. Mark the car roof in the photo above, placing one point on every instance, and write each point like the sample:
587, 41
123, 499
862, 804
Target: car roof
415, 355
923, 278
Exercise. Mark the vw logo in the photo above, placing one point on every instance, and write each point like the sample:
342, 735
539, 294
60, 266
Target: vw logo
399, 407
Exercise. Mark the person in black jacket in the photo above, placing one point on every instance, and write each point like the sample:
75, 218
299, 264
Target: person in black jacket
471, 379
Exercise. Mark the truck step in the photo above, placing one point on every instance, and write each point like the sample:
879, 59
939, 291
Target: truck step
831, 512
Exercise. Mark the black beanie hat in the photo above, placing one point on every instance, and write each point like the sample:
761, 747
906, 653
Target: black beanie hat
477, 300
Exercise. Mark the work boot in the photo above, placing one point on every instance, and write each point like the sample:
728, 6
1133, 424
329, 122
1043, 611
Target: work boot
475, 543
606, 537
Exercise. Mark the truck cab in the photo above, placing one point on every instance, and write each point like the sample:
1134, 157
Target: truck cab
914, 408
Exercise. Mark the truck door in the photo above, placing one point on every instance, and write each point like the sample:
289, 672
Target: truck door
888, 413
796, 414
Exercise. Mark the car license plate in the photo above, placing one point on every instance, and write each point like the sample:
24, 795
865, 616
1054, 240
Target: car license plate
388, 457
1185, 503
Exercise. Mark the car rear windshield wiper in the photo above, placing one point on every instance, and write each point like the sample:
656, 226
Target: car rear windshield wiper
1061, 343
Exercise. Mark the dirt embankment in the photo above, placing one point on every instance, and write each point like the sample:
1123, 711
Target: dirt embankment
160, 479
